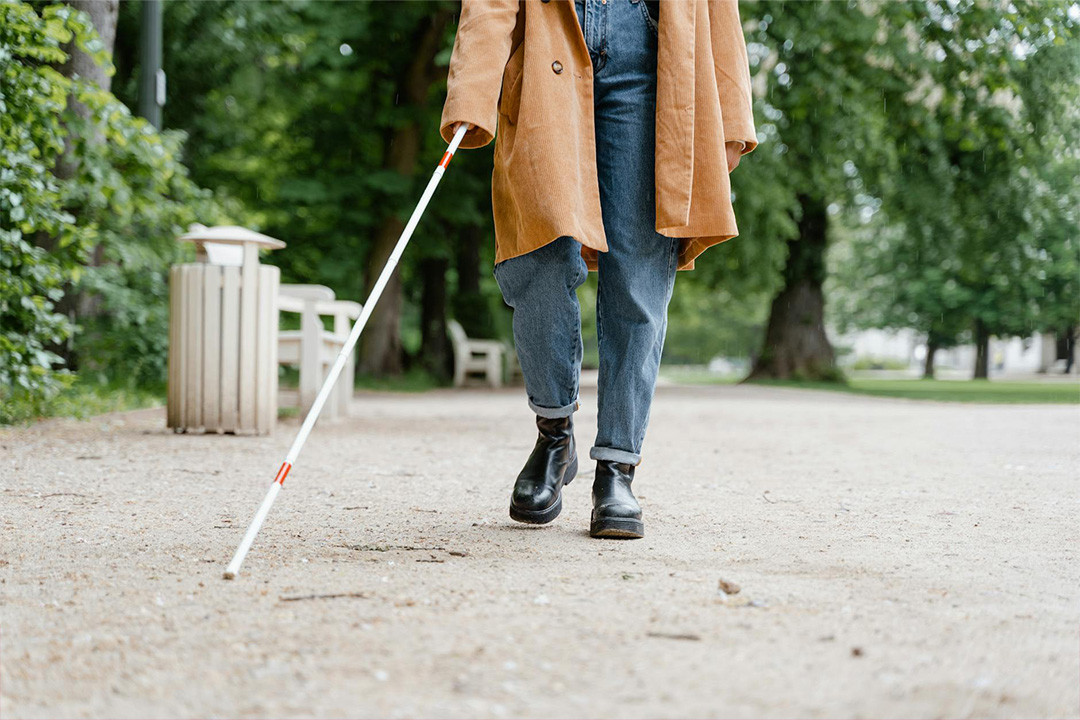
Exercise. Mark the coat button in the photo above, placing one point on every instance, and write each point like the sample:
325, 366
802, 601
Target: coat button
557, 67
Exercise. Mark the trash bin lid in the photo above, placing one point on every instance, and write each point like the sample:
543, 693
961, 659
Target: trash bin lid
229, 234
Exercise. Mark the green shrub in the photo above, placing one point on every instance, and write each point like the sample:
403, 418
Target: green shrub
135, 197
124, 197
33, 99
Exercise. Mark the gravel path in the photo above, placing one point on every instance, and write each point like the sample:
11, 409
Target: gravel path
896, 559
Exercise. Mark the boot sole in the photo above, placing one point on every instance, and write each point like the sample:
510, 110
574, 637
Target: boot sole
620, 528
543, 517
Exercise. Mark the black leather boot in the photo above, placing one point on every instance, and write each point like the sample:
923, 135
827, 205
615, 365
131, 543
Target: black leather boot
537, 497
616, 513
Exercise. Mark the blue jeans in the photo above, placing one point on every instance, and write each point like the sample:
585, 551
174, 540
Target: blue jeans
636, 274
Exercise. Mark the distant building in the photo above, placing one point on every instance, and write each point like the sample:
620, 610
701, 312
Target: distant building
905, 350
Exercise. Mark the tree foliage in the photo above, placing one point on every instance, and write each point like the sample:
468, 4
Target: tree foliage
128, 199
33, 98
934, 142
303, 110
975, 230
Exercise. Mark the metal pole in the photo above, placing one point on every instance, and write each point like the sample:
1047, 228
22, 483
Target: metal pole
151, 76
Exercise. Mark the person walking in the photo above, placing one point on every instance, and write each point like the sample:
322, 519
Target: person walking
616, 124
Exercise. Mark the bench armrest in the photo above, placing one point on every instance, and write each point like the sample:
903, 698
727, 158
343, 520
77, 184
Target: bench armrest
486, 346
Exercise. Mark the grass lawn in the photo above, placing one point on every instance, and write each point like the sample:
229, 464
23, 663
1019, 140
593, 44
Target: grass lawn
83, 399
411, 381
974, 391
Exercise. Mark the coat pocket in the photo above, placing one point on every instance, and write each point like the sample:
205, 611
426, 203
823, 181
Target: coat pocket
510, 97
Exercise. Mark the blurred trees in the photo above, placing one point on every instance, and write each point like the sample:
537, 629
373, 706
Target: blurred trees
322, 117
932, 143
96, 70
821, 112
942, 123
976, 234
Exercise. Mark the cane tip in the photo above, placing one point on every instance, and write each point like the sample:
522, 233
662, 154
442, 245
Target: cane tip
229, 575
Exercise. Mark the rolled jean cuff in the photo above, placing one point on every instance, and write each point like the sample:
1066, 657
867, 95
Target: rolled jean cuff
614, 455
550, 412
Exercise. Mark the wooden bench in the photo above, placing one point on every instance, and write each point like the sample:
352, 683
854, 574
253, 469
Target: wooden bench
475, 356
313, 348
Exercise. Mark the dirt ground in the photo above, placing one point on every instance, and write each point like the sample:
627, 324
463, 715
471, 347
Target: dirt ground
896, 559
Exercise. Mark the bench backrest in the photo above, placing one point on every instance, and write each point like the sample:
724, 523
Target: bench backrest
457, 335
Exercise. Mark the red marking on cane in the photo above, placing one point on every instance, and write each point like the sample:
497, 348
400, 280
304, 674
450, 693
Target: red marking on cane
445, 159
283, 473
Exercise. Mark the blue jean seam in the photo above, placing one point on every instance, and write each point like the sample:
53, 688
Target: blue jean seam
673, 252
603, 31
599, 328
578, 346
649, 22
573, 357
595, 21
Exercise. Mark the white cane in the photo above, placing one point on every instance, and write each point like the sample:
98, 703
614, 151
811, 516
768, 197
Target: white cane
313, 415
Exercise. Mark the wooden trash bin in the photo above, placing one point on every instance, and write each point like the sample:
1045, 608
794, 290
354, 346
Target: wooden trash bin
223, 326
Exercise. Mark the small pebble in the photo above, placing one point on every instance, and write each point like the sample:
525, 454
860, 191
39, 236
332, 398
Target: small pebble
728, 588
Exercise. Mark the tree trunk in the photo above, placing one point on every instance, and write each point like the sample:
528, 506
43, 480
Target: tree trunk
380, 345
1070, 353
381, 351
1066, 347
103, 14
796, 346
982, 351
435, 352
469, 305
928, 365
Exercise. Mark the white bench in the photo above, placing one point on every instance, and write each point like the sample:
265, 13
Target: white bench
475, 356
314, 348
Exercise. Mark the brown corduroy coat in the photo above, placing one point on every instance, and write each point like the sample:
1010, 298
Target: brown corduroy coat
522, 68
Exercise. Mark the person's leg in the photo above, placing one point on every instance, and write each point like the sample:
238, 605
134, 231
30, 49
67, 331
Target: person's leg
541, 287
637, 274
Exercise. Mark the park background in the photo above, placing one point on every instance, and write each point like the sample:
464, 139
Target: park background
916, 178
808, 553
